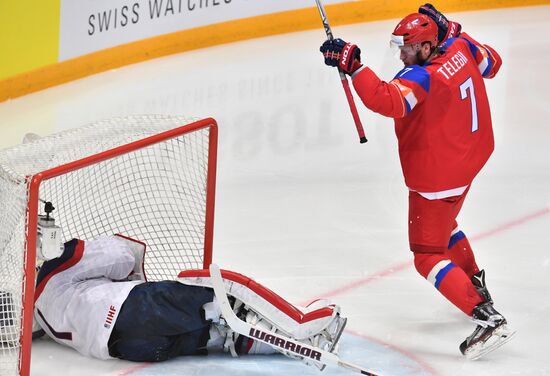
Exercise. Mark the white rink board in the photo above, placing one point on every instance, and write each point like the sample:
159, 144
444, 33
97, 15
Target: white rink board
90, 25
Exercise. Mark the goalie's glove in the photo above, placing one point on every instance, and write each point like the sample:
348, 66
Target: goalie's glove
138, 251
223, 337
445, 29
338, 53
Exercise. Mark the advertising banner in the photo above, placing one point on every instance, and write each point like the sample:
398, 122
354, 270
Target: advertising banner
91, 25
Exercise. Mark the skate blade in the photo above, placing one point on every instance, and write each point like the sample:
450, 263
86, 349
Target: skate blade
499, 337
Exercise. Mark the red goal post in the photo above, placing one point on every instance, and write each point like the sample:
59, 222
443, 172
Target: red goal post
149, 177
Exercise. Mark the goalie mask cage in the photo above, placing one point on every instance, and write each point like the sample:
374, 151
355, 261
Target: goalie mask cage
148, 177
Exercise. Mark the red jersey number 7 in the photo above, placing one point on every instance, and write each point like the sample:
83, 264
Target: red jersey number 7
467, 90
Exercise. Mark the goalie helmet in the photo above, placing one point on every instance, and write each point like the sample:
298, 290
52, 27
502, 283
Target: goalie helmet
415, 28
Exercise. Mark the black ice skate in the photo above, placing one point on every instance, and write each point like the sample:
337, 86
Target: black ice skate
478, 280
491, 332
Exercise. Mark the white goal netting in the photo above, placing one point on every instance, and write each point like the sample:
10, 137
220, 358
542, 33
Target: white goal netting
161, 194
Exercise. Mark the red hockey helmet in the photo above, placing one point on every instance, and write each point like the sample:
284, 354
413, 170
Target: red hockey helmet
415, 28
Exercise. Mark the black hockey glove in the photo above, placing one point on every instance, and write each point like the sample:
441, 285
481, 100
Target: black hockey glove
445, 29
338, 53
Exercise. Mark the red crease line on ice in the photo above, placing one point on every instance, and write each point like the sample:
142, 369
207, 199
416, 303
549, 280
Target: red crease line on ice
131, 370
425, 366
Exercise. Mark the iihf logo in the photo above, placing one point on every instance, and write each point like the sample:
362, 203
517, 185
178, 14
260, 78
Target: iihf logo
110, 316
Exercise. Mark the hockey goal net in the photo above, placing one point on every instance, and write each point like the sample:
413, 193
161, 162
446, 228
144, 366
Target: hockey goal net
150, 177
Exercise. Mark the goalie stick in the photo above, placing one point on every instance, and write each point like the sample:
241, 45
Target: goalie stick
343, 78
274, 340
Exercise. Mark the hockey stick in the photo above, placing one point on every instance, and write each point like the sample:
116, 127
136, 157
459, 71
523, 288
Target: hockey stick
274, 340
343, 78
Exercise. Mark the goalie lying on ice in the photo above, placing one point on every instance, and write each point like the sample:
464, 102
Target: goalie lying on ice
95, 299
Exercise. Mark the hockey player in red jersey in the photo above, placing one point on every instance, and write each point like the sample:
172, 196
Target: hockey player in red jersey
444, 131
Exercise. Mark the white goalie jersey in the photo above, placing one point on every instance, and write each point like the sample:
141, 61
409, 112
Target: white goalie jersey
76, 301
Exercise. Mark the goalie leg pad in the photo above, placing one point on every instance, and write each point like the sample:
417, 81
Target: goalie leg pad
320, 324
295, 322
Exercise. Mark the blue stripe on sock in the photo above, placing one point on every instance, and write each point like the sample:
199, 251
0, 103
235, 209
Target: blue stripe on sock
455, 238
442, 273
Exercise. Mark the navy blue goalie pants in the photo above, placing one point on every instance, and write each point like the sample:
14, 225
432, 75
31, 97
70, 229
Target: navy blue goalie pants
160, 321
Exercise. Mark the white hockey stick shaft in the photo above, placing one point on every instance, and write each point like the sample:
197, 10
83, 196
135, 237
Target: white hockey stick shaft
274, 340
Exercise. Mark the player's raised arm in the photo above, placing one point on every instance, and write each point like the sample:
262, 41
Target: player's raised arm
488, 60
415, 42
